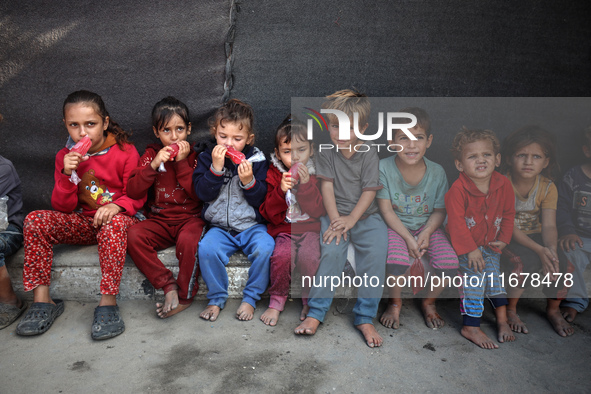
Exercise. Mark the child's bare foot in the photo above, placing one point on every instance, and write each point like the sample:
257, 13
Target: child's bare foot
270, 317
515, 322
504, 332
210, 313
560, 324
432, 318
245, 312
304, 312
477, 336
171, 301
391, 316
174, 311
307, 327
569, 313
372, 338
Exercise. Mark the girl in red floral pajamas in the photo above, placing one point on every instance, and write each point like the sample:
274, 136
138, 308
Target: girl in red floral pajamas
91, 207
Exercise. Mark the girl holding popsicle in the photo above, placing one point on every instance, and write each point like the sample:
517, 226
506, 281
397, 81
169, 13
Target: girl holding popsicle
173, 210
232, 188
293, 206
91, 207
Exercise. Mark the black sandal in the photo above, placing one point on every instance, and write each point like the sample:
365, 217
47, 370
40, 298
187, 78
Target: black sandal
39, 317
107, 322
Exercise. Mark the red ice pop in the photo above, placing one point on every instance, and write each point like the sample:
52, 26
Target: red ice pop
82, 146
234, 155
294, 171
174, 150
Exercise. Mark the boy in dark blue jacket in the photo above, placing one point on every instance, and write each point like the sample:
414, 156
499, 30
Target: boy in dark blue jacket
232, 194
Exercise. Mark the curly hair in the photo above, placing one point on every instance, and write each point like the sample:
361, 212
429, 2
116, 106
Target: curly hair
467, 136
234, 111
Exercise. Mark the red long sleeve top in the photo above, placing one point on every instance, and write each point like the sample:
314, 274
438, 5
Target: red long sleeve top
171, 196
103, 181
274, 207
475, 219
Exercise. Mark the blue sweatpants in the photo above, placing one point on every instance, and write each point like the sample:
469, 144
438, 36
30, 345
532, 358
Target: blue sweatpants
370, 240
215, 250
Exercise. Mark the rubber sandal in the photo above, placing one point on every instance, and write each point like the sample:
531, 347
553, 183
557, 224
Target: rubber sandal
39, 317
9, 313
107, 322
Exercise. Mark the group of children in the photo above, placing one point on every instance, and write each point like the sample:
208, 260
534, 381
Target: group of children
305, 209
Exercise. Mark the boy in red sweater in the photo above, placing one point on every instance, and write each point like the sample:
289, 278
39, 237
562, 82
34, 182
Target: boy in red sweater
173, 209
294, 224
480, 214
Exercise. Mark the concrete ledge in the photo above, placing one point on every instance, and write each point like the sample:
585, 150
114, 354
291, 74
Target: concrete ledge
75, 275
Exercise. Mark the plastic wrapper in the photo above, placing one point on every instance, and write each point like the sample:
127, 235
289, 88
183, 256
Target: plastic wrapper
294, 171
3, 213
173, 153
234, 155
294, 212
81, 147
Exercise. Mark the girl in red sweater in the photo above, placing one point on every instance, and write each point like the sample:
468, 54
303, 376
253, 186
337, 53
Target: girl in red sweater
173, 210
91, 207
293, 206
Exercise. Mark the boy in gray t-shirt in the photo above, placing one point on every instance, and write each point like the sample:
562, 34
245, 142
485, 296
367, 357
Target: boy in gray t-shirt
350, 179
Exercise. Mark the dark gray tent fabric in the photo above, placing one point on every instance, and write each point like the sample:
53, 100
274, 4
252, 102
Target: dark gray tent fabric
134, 53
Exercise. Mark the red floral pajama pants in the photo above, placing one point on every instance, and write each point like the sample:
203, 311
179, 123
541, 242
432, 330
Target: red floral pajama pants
43, 229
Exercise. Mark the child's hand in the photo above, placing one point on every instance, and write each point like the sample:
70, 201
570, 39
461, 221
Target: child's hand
286, 182
71, 162
162, 156
304, 174
343, 224
184, 150
569, 242
499, 245
475, 260
423, 243
105, 213
330, 234
549, 262
218, 156
413, 248
245, 172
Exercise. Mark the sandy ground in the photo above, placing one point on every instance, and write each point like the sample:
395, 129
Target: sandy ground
185, 353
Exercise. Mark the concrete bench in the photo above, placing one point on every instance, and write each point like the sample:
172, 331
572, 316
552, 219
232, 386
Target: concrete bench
75, 275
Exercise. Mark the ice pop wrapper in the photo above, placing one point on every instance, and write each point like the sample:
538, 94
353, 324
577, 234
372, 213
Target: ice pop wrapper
234, 155
81, 147
294, 171
237, 157
175, 151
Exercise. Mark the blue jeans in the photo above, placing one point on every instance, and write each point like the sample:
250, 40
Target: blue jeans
11, 240
215, 250
577, 297
370, 240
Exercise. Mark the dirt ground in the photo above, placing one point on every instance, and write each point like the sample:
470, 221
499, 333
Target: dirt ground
185, 353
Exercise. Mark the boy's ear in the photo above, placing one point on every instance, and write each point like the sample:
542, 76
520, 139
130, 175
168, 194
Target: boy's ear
459, 165
429, 140
155, 132
498, 160
362, 130
250, 140
586, 150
